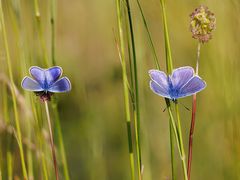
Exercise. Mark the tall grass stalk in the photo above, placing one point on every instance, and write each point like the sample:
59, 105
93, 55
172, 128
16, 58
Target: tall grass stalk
194, 108
40, 31
53, 22
16, 115
0, 164
121, 51
169, 70
9, 165
51, 140
52, 62
129, 52
54, 102
183, 157
60, 140
149, 35
40, 140
17, 21
136, 107
171, 130
7, 121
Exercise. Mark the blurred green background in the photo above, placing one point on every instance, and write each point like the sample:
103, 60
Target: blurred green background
92, 114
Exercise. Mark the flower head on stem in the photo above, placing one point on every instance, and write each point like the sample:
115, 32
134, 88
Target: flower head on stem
202, 24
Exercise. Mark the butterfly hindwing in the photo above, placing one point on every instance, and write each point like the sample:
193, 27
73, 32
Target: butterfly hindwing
61, 85
31, 85
158, 90
194, 85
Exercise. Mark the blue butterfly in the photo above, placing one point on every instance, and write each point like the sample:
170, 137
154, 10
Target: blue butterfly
181, 83
45, 82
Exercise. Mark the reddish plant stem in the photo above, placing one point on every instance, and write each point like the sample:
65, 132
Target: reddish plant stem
194, 108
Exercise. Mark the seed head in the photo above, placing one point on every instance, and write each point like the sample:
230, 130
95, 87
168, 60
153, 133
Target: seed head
202, 24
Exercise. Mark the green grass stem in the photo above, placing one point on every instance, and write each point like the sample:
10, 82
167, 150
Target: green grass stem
136, 108
54, 102
9, 165
60, 140
121, 51
149, 35
40, 140
9, 66
53, 25
169, 64
52, 62
183, 157
7, 121
40, 32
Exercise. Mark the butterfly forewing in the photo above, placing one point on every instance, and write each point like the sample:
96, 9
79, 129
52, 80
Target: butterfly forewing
38, 74
53, 74
181, 76
31, 85
61, 85
159, 83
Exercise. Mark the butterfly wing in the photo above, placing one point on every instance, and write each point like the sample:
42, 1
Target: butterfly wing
159, 83
181, 76
53, 74
61, 85
31, 85
38, 74
194, 85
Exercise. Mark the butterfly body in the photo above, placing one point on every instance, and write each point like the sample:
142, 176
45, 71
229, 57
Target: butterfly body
46, 82
181, 83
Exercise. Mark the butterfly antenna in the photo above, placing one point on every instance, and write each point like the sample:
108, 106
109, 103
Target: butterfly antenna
164, 109
185, 106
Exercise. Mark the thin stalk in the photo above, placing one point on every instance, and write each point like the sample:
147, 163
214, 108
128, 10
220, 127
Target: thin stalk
9, 66
169, 66
129, 51
9, 165
40, 140
121, 51
51, 140
194, 108
149, 35
136, 97
167, 41
60, 140
29, 153
174, 127
1, 161
54, 103
40, 31
183, 157
53, 62
7, 121
53, 21
172, 149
